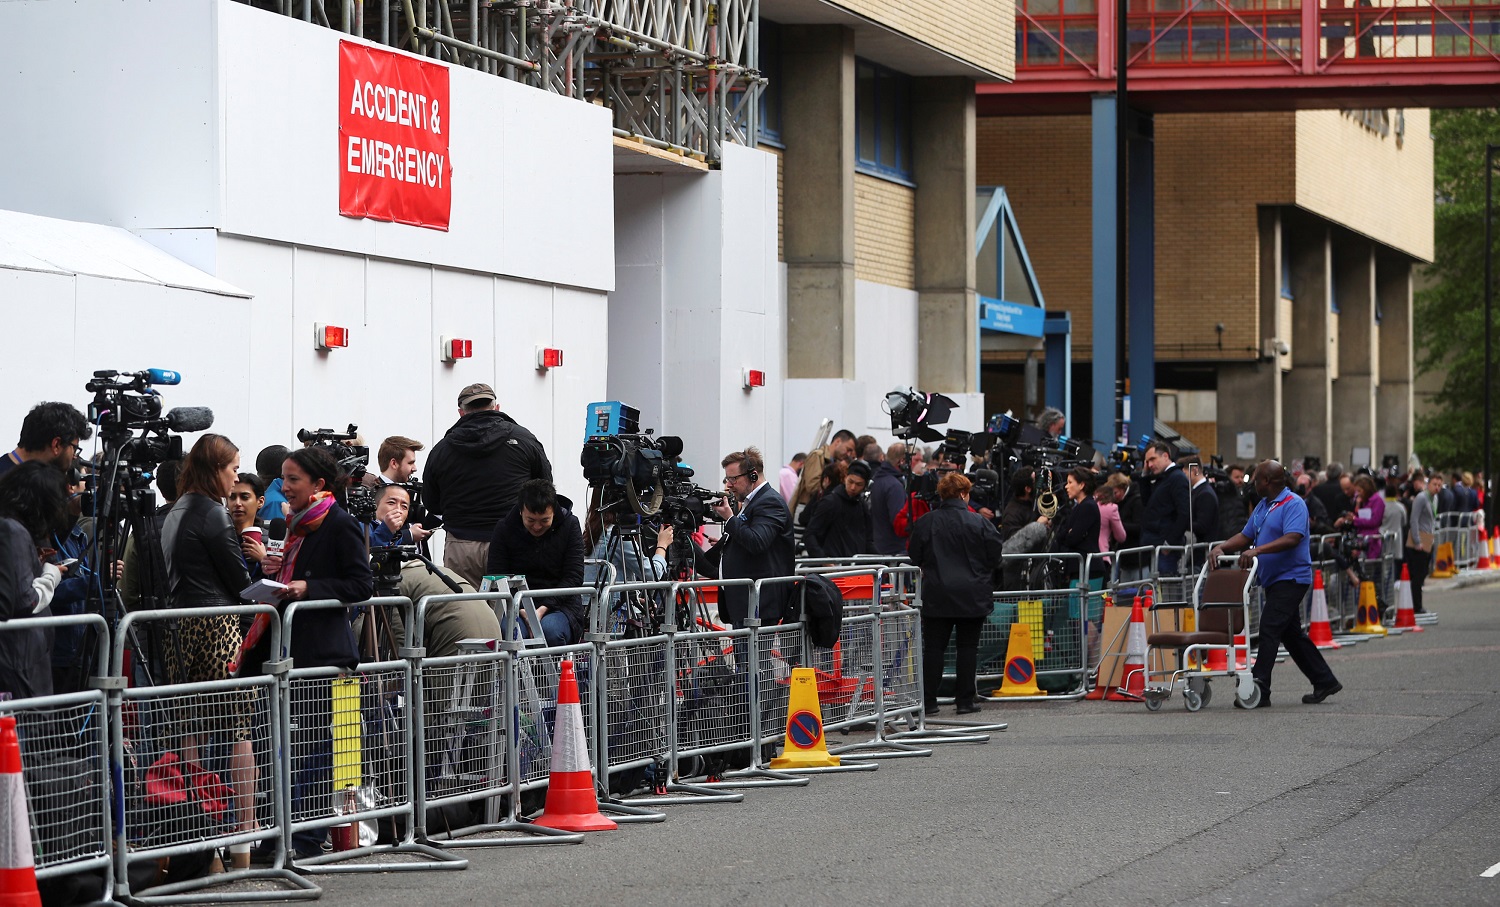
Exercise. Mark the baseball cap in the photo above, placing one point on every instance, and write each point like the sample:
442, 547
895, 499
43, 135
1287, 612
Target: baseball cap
474, 393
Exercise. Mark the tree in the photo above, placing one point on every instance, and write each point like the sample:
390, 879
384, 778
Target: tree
1449, 316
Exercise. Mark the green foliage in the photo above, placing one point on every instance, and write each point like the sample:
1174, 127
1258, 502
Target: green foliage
1449, 316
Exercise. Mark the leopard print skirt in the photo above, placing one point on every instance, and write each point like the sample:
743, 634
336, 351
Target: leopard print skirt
199, 650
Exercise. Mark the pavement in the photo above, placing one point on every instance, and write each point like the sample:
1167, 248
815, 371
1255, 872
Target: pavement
1387, 793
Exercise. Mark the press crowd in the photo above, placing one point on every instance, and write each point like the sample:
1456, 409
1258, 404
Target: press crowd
487, 485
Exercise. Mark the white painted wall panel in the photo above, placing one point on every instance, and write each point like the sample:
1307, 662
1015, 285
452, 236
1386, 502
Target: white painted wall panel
110, 112
265, 270
463, 305
578, 322
35, 370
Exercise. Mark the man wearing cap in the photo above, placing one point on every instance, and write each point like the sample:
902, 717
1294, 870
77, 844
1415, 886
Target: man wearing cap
474, 477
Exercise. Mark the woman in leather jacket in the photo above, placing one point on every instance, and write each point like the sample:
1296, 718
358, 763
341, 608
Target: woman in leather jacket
205, 569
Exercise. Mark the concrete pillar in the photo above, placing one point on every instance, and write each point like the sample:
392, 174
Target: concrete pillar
1308, 388
818, 206
943, 166
1393, 396
1353, 419
1249, 398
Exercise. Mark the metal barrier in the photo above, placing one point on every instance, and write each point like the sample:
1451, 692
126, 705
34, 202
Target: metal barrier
173, 744
1057, 618
348, 763
65, 759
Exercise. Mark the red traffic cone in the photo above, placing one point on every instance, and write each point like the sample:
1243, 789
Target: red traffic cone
1132, 686
1495, 549
571, 802
1318, 629
1484, 554
1406, 615
17, 869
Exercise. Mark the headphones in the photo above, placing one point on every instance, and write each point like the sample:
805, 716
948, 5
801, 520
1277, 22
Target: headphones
753, 476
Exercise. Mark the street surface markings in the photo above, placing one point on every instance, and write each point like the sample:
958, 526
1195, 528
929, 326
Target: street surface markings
1491, 872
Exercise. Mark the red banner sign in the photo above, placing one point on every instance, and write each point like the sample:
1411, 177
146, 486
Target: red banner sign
393, 138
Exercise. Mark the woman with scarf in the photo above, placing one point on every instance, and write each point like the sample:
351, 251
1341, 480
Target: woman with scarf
325, 558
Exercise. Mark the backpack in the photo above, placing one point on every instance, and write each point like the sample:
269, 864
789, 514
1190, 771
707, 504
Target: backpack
822, 610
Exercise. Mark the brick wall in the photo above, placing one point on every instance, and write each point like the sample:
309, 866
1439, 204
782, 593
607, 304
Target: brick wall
978, 31
1212, 173
884, 231
1356, 177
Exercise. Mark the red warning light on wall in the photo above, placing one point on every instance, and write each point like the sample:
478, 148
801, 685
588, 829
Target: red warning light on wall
754, 378
546, 357
330, 337
456, 348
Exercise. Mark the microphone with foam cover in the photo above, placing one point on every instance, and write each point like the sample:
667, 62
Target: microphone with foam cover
190, 418
162, 376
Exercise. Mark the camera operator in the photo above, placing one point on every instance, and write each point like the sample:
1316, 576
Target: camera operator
840, 526
888, 497
70, 655
1276, 534
474, 477
1021, 508
50, 433
131, 578
604, 530
1052, 422
398, 463
1165, 519
757, 540
541, 540
33, 504
957, 551
446, 622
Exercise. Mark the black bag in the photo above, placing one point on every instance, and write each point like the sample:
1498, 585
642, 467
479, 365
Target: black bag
823, 610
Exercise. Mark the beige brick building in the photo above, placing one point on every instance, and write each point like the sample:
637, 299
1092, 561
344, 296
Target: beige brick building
1284, 248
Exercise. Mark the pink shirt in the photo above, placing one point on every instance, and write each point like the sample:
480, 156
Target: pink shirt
1110, 527
788, 483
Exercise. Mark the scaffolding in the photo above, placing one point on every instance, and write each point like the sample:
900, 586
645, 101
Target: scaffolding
680, 75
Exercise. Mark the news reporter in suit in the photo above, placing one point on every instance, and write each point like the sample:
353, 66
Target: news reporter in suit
1165, 519
757, 540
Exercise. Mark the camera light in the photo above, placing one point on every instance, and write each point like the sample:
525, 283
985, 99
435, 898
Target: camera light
547, 357
453, 349
754, 377
330, 337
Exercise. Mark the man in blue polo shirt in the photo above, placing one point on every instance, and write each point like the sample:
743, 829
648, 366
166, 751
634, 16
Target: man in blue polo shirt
1276, 534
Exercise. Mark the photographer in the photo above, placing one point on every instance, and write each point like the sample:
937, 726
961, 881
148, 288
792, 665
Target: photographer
50, 433
447, 623
397, 458
840, 527
475, 474
957, 551
33, 503
757, 540
541, 540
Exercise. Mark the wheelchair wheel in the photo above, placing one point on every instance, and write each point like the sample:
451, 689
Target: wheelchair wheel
1202, 687
1193, 701
1153, 703
1249, 702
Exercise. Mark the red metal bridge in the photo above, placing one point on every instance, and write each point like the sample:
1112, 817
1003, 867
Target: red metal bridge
1225, 55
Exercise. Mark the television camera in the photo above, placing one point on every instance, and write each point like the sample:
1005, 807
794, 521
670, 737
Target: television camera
353, 461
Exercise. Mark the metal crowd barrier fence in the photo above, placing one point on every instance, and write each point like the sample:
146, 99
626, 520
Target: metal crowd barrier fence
66, 769
347, 762
174, 744
1057, 619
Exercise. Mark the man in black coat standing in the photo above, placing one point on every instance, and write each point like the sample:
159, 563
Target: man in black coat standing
958, 551
474, 475
757, 541
1165, 519
840, 526
542, 541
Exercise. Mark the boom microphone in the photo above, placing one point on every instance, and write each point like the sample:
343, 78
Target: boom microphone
189, 418
151, 376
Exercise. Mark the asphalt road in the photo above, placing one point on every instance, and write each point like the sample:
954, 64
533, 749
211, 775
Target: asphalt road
1388, 793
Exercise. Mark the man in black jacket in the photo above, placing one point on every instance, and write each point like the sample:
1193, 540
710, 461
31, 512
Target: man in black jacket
474, 476
541, 540
1165, 519
1205, 519
1331, 492
757, 541
840, 525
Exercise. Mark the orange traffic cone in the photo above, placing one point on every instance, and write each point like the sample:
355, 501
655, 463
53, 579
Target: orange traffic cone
1318, 629
1406, 615
1132, 686
1495, 549
571, 803
1484, 554
17, 869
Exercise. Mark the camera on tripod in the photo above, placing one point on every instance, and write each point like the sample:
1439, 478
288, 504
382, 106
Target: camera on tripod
352, 459
639, 473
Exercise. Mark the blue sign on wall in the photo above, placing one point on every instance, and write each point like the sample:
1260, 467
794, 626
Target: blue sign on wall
997, 315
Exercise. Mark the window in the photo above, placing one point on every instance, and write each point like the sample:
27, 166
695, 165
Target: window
769, 130
882, 115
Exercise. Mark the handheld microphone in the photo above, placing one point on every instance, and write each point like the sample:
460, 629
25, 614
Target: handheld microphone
190, 418
278, 535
